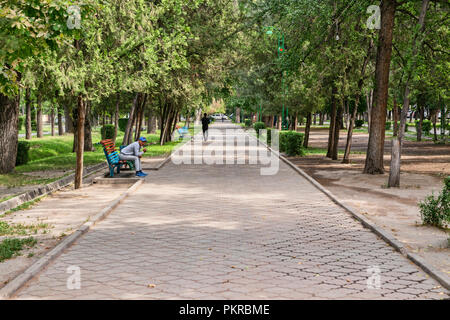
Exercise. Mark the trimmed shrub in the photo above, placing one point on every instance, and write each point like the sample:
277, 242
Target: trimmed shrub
248, 123
23, 148
291, 143
388, 125
107, 131
359, 123
123, 124
259, 126
269, 136
426, 125
436, 211
21, 122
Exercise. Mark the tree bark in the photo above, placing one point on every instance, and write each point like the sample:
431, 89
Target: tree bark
39, 124
333, 121
28, 114
129, 129
60, 125
337, 127
307, 130
375, 149
396, 150
238, 115
81, 114
116, 117
395, 113
88, 146
419, 125
9, 117
52, 120
70, 128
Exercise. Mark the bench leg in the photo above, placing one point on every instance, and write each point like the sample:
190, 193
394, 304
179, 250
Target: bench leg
111, 172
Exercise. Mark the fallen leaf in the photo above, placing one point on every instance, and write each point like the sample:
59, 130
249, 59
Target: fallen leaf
151, 285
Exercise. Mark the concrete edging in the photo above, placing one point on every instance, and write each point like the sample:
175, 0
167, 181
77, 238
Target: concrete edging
47, 189
14, 285
439, 276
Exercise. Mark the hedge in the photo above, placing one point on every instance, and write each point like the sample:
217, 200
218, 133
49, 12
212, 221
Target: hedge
426, 126
259, 126
123, 124
388, 125
359, 123
23, 148
107, 131
248, 123
291, 143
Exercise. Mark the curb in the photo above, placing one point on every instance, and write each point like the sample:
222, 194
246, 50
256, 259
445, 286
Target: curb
439, 276
14, 285
47, 189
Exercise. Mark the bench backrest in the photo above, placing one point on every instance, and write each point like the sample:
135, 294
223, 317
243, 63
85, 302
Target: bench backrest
112, 156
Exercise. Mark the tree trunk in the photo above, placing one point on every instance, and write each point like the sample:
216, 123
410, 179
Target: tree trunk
395, 112
52, 120
28, 114
60, 125
9, 117
375, 149
129, 129
238, 115
396, 150
70, 128
81, 114
321, 116
307, 130
333, 121
337, 127
348, 145
419, 125
39, 124
88, 128
434, 118
116, 117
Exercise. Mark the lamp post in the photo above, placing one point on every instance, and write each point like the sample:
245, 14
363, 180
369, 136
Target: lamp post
280, 51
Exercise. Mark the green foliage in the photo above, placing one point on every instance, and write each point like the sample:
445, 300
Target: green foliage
123, 124
10, 247
436, 210
426, 125
388, 125
359, 123
291, 143
107, 131
23, 148
21, 123
259, 126
248, 123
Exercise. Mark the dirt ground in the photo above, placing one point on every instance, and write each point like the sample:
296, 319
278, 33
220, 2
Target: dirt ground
424, 164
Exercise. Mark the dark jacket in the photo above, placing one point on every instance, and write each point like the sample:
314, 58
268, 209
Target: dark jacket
205, 122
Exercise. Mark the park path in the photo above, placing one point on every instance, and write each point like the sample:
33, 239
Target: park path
228, 232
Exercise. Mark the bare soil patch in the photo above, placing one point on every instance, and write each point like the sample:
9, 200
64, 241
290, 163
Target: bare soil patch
424, 164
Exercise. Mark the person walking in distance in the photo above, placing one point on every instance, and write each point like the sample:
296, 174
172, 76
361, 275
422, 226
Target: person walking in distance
205, 123
133, 152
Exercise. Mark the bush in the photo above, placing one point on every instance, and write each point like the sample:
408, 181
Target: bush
248, 123
426, 126
259, 126
20, 123
269, 136
388, 125
107, 131
291, 143
123, 124
23, 148
436, 211
359, 123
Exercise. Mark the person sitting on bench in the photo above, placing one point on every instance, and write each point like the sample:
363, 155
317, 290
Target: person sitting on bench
132, 152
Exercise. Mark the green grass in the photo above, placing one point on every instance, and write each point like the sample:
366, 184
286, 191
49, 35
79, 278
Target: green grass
21, 229
55, 153
11, 247
320, 151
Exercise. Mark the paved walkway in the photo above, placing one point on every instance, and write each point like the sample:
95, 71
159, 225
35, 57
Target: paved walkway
227, 232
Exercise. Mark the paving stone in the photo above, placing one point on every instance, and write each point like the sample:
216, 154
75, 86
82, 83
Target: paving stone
228, 232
